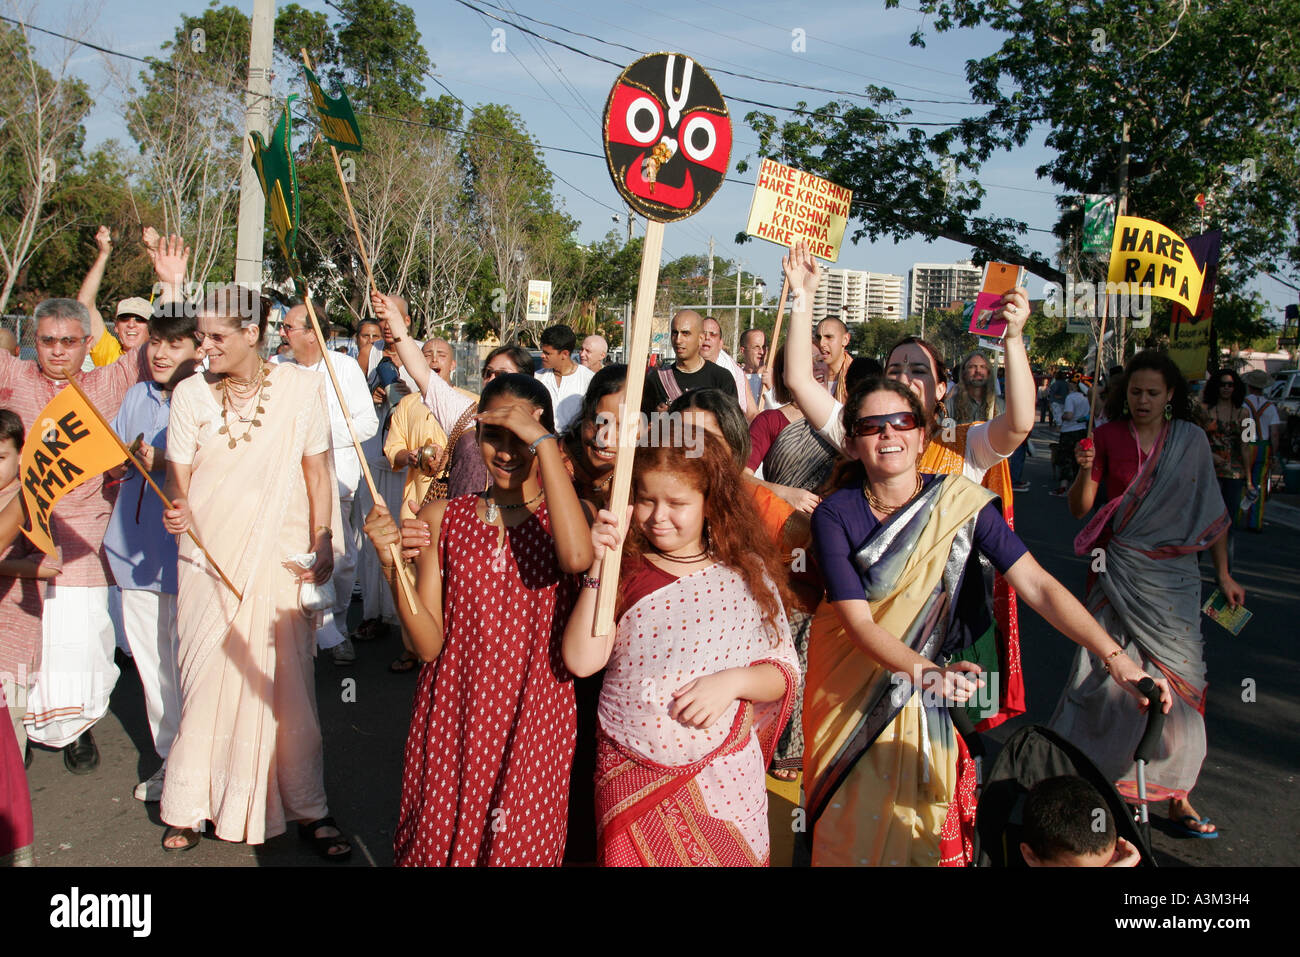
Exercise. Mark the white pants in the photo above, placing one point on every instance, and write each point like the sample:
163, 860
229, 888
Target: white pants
332, 630
150, 621
115, 616
70, 691
376, 597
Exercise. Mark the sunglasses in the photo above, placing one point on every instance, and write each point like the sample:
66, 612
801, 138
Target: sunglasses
875, 424
67, 342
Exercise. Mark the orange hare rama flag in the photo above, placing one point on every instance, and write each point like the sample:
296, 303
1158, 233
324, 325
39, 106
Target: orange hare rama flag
71, 444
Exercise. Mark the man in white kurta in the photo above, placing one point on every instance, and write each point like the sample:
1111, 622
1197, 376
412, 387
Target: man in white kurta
297, 331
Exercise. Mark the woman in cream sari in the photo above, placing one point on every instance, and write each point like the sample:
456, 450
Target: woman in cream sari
886, 778
249, 470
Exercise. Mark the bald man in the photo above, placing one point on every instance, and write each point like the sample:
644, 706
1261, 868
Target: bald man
691, 371
833, 341
8, 342
711, 349
593, 353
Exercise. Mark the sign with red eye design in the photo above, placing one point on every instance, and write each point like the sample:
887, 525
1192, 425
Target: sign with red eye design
667, 136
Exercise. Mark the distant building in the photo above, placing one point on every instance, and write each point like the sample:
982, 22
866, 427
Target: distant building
855, 295
935, 285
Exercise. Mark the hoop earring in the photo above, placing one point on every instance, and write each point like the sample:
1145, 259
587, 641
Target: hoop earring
1126, 411
1169, 411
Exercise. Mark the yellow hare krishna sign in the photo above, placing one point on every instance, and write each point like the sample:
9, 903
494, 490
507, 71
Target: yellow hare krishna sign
1149, 256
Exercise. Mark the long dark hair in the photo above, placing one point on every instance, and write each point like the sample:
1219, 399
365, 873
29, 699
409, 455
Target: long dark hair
726, 410
1210, 397
1150, 359
520, 387
851, 472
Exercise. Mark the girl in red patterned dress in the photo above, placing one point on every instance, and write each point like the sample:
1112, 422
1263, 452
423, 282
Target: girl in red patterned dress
486, 777
701, 671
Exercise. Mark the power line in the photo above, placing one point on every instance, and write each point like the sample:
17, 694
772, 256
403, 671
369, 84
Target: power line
744, 76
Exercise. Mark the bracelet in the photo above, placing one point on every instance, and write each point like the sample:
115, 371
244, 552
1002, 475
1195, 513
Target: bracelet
589, 582
549, 435
1106, 661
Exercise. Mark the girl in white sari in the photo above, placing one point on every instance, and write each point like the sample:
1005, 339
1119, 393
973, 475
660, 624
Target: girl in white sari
701, 672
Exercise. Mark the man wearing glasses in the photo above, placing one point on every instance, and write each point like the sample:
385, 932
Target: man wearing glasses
70, 691
297, 331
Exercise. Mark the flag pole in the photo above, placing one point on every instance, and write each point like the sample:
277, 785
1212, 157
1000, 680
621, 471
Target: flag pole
347, 198
403, 573
152, 484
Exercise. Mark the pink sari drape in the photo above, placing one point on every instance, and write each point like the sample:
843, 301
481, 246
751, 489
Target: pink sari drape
247, 755
667, 794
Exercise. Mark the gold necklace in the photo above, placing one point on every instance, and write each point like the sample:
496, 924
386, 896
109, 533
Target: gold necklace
232, 389
880, 506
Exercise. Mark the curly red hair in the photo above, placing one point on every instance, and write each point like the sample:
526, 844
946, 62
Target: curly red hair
732, 527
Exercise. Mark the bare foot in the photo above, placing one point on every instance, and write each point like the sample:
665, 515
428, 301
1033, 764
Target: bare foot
1182, 812
785, 774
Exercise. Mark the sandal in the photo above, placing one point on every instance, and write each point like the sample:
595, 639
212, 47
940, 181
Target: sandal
324, 845
191, 838
372, 629
1189, 826
407, 662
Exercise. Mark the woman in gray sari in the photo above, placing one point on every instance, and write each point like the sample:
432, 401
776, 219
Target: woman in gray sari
1160, 507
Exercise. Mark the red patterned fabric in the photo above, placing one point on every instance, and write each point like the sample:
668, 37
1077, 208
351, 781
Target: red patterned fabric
486, 779
957, 836
17, 832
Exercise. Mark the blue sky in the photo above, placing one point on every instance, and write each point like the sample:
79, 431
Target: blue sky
847, 46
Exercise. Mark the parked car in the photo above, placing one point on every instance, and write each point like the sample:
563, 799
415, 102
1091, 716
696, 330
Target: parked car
1285, 394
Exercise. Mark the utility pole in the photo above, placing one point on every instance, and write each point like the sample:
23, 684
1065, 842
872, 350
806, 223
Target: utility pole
710, 275
251, 225
1121, 209
740, 275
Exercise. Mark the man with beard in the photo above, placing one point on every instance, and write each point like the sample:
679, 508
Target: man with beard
975, 399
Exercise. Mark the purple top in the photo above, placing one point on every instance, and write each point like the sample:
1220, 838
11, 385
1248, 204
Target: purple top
843, 523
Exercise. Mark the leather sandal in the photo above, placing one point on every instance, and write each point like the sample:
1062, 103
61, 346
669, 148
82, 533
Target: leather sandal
326, 844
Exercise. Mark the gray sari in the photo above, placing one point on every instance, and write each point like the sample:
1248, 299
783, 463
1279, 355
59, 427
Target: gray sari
1148, 598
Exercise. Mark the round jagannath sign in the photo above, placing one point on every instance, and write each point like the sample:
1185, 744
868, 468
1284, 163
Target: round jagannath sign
667, 136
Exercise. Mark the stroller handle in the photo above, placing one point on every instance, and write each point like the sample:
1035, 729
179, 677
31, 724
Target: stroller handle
1155, 722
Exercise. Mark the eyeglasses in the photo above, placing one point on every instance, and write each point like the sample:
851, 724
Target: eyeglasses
285, 327
875, 424
67, 342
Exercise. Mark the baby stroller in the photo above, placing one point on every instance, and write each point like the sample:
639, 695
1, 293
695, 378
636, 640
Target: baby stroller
1035, 753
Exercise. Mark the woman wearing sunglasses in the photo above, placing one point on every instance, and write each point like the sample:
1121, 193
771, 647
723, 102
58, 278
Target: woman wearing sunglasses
887, 780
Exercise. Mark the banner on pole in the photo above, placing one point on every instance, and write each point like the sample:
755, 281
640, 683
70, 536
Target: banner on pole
1098, 222
70, 446
275, 171
338, 124
790, 205
1189, 332
539, 300
1147, 254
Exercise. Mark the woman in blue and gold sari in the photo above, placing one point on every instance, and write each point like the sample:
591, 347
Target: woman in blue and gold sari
887, 779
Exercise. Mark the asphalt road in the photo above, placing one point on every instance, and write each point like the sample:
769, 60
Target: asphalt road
1247, 785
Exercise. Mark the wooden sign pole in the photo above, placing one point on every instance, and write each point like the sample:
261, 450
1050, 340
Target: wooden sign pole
403, 573
347, 198
638, 339
776, 330
1096, 377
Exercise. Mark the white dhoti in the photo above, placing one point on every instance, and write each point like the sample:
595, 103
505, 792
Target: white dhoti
70, 691
150, 623
376, 596
333, 628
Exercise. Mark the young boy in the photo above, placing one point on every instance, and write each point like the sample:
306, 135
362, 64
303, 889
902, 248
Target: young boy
1067, 824
140, 553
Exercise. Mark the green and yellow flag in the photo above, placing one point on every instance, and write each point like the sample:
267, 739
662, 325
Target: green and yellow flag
275, 170
338, 124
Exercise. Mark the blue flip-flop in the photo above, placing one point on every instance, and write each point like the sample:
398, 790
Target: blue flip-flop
1193, 832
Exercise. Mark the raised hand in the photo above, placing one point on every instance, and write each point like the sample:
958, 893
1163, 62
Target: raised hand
521, 418
149, 236
802, 273
171, 260
606, 532
1014, 308
104, 240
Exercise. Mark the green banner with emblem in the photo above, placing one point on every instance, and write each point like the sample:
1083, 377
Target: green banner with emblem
274, 165
338, 124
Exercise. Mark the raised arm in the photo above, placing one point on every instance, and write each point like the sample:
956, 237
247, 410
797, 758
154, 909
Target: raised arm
1008, 430
802, 272
1083, 493
89, 291
386, 310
